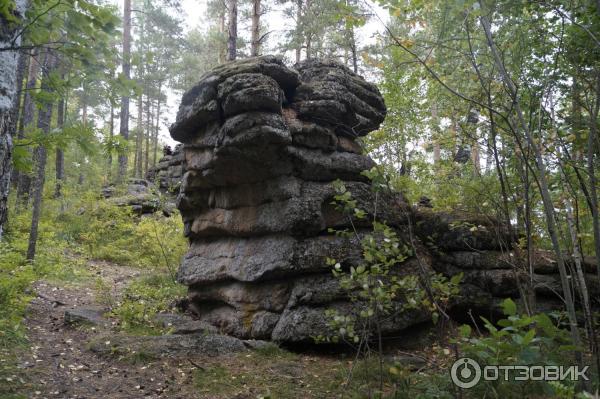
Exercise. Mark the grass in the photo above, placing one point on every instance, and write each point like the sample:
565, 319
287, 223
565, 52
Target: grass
271, 372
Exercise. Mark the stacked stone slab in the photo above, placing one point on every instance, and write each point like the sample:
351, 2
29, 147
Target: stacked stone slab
263, 144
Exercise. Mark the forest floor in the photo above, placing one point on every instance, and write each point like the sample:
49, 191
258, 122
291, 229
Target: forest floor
60, 364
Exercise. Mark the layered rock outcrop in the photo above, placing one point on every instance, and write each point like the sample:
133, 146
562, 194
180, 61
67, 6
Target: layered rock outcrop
493, 267
262, 146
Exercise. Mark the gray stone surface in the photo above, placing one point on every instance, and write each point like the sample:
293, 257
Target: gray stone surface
167, 345
85, 316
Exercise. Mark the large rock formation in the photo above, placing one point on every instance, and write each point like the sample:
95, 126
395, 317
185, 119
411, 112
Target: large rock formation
262, 145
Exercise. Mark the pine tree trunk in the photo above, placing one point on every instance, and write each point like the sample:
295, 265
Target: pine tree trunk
352, 42
60, 156
255, 50
9, 34
124, 122
111, 134
298, 22
149, 125
44, 119
222, 43
232, 31
149, 130
138, 138
157, 126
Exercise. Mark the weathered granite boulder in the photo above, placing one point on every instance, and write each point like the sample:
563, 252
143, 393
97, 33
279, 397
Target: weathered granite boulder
262, 146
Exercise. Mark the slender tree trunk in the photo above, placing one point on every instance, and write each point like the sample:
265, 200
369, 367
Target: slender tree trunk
149, 125
9, 34
138, 138
308, 34
22, 68
581, 283
352, 45
124, 122
437, 151
591, 170
27, 116
222, 43
111, 134
154, 152
232, 30
60, 156
149, 130
44, 120
298, 31
543, 186
84, 119
255, 50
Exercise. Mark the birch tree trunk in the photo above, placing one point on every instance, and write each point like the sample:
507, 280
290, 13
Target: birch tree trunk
9, 35
111, 134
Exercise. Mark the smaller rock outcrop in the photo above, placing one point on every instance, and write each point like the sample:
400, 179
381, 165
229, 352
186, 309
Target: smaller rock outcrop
493, 266
168, 171
141, 196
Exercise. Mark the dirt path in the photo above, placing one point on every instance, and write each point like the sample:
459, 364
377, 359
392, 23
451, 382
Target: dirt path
60, 364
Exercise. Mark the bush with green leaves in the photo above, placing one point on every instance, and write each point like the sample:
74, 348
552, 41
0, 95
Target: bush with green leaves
518, 340
377, 288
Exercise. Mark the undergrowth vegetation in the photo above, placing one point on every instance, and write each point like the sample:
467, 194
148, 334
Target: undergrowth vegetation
143, 299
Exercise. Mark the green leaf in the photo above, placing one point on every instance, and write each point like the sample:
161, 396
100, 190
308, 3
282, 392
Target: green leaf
464, 331
509, 308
